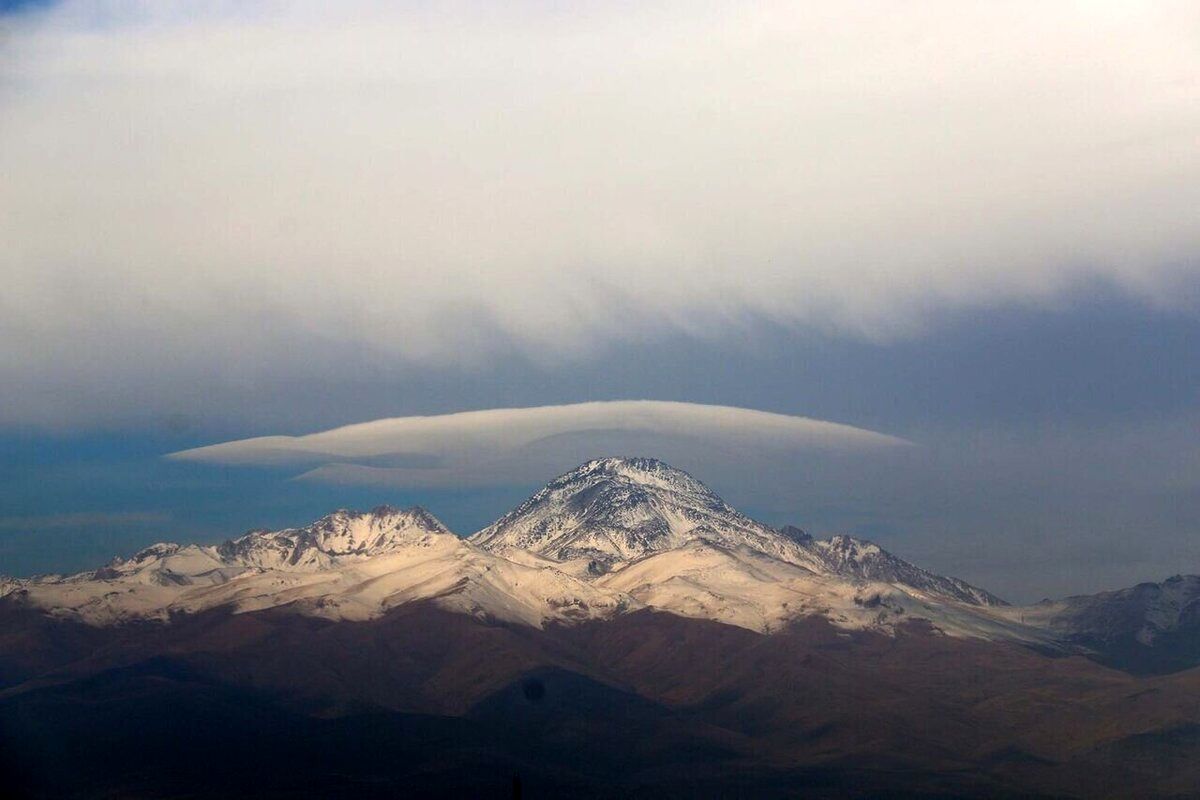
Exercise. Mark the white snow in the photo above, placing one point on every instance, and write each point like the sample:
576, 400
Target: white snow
750, 589
436, 566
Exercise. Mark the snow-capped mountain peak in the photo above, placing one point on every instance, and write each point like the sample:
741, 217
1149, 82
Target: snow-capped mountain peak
645, 472
615, 510
859, 559
610, 513
342, 534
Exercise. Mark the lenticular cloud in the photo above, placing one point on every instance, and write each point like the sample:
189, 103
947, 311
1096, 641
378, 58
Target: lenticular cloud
506, 444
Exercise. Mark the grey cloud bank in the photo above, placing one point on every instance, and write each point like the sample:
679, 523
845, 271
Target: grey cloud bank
439, 186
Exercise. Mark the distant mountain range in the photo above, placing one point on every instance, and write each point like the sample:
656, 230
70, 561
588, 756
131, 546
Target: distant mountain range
624, 594
611, 537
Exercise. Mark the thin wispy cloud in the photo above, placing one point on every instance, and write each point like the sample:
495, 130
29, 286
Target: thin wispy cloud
249, 186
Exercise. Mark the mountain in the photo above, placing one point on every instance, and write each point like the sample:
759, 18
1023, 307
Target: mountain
610, 537
622, 633
616, 510
853, 558
612, 512
347, 565
333, 539
745, 587
340, 535
1150, 628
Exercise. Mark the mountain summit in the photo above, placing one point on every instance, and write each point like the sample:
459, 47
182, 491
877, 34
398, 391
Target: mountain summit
341, 534
613, 510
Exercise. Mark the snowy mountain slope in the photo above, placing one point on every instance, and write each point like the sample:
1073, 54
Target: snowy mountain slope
1151, 627
852, 558
144, 585
613, 511
739, 586
1145, 611
338, 536
442, 568
348, 565
744, 587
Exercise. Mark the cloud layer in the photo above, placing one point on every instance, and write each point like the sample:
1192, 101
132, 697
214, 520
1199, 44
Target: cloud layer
510, 446
217, 188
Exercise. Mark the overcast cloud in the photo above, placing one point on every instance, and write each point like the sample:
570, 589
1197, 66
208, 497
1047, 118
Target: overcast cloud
198, 184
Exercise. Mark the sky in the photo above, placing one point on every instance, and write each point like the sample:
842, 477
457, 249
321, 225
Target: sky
971, 227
